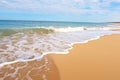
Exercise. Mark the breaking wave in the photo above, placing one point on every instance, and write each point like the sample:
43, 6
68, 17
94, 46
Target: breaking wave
50, 29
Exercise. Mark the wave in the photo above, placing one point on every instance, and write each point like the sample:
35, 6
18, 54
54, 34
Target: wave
11, 31
33, 43
50, 29
71, 29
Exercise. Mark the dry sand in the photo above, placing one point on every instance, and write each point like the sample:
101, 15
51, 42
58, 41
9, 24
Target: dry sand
95, 60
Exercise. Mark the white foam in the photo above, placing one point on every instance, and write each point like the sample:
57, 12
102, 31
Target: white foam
74, 29
28, 47
69, 29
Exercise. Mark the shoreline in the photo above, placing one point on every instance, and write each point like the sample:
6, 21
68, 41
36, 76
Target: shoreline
77, 64
66, 51
95, 60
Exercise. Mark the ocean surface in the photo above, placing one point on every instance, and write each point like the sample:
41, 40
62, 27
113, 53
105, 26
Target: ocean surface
30, 40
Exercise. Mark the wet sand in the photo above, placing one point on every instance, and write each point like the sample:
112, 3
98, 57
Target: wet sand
95, 60
42, 69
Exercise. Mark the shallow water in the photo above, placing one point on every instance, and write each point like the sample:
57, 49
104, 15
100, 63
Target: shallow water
40, 69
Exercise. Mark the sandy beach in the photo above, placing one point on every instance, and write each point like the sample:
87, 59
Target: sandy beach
59, 40
95, 60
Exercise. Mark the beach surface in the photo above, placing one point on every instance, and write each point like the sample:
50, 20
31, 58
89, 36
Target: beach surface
95, 60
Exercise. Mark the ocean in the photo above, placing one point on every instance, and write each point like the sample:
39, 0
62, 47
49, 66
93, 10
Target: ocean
30, 40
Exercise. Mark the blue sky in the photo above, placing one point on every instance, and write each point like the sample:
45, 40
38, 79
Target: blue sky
61, 10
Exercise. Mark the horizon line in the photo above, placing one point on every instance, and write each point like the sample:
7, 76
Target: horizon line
58, 21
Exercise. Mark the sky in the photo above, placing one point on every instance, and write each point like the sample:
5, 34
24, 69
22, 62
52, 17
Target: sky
61, 10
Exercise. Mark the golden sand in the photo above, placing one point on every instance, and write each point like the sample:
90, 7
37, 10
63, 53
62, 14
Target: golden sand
95, 60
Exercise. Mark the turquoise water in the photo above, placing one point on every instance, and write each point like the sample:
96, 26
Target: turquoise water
9, 27
31, 24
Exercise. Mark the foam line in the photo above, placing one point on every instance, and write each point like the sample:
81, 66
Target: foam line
66, 51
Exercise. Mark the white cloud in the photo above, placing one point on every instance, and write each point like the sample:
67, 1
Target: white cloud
59, 6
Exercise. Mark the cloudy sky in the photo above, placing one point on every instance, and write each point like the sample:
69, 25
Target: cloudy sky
61, 10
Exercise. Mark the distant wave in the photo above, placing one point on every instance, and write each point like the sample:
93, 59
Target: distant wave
71, 29
50, 29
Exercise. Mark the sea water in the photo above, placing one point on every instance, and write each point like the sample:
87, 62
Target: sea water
30, 40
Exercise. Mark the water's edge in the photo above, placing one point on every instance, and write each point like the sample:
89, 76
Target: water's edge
67, 51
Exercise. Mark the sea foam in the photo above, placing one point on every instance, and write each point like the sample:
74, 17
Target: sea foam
26, 47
